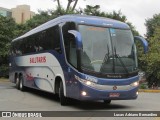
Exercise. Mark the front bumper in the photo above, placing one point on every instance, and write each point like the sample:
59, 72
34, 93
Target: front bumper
94, 94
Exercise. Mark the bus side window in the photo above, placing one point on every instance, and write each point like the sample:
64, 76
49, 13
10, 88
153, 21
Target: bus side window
53, 39
57, 45
28, 45
40, 41
69, 42
12, 49
18, 48
48, 40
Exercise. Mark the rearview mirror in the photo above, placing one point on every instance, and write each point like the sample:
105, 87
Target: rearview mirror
143, 42
78, 38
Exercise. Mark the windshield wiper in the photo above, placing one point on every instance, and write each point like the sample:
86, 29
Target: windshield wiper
122, 63
105, 60
106, 56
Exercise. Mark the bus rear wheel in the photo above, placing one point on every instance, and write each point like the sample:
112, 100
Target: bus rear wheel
21, 86
107, 101
63, 99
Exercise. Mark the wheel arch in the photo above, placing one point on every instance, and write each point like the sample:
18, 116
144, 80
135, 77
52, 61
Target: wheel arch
58, 79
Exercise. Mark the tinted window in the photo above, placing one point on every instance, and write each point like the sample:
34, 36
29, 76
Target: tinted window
48, 39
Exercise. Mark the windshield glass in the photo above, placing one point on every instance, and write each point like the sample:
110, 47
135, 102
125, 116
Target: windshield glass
107, 50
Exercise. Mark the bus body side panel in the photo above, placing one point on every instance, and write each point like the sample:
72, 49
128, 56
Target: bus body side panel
39, 70
72, 86
13, 69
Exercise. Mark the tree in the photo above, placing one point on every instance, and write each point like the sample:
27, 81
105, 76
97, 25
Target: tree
92, 10
151, 61
151, 24
68, 5
42, 17
117, 16
7, 33
38, 19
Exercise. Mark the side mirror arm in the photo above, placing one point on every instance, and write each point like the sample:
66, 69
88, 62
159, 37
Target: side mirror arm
143, 42
78, 38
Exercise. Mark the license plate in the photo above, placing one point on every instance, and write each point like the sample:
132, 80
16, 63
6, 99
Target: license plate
114, 95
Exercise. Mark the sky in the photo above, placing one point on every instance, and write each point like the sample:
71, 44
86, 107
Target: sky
136, 11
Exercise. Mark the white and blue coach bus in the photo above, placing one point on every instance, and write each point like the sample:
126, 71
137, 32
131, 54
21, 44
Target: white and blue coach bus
77, 56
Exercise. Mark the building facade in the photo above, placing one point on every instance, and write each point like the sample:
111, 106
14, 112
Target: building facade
21, 13
5, 12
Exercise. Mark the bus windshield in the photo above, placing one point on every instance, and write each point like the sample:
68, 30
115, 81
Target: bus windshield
107, 50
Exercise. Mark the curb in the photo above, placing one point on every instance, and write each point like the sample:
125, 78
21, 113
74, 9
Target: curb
4, 80
149, 91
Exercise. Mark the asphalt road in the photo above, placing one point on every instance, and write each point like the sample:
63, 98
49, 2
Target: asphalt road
12, 99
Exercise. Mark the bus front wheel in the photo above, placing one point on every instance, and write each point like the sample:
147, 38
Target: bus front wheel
63, 99
17, 83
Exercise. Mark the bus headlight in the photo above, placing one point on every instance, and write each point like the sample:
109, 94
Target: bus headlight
86, 82
135, 84
83, 93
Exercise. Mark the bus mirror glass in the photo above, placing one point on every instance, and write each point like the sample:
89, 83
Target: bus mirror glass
143, 42
78, 38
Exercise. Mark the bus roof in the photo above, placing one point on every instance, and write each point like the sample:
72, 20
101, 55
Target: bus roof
80, 19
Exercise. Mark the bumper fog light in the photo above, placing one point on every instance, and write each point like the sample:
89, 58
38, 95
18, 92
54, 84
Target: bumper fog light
137, 93
83, 93
135, 84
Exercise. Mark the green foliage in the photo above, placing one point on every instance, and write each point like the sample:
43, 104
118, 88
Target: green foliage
117, 16
151, 24
143, 86
69, 8
42, 17
151, 61
7, 27
93, 10
37, 20
7, 33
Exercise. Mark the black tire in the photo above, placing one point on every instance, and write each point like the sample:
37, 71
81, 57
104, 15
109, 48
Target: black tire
21, 85
17, 83
63, 99
107, 101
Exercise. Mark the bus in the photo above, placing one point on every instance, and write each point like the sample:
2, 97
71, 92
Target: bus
78, 56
